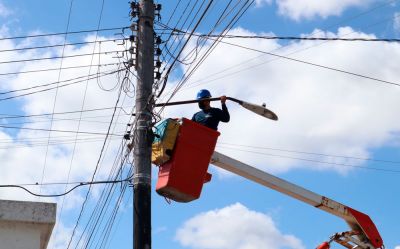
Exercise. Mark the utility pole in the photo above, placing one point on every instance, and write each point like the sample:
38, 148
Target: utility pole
142, 134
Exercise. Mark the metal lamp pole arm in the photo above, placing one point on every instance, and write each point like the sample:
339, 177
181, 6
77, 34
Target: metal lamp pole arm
258, 109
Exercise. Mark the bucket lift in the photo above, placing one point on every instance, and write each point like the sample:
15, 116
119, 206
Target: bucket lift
363, 233
182, 176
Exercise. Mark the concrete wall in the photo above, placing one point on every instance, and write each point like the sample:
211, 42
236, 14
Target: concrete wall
26, 225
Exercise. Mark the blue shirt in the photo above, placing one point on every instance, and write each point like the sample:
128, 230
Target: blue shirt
211, 117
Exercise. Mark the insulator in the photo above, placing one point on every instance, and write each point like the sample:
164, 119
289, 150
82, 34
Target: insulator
158, 51
158, 40
158, 76
158, 64
132, 38
131, 62
131, 50
157, 7
133, 27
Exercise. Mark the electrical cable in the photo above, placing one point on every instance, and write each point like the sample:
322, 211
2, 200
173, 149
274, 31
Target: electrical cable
107, 200
95, 171
314, 33
314, 161
313, 153
8, 116
63, 119
54, 130
61, 33
55, 69
55, 95
61, 57
266, 37
186, 76
58, 86
184, 45
47, 84
65, 193
311, 63
61, 45
178, 44
55, 143
83, 102
104, 200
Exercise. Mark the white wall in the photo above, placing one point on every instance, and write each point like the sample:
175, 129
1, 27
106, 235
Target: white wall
26, 225
18, 235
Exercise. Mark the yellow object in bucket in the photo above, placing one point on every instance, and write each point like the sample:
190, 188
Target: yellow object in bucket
163, 144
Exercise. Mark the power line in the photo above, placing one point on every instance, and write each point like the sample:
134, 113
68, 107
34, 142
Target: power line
56, 69
56, 94
84, 119
314, 33
55, 143
61, 33
67, 192
230, 24
58, 86
313, 153
8, 116
266, 37
48, 84
61, 57
61, 45
314, 161
104, 200
310, 63
55, 130
96, 168
84, 100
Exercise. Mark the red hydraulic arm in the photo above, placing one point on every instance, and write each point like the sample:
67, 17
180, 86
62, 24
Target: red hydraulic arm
363, 233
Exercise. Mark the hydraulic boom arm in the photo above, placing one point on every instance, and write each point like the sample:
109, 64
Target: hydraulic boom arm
363, 233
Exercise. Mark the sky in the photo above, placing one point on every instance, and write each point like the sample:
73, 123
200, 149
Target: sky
337, 134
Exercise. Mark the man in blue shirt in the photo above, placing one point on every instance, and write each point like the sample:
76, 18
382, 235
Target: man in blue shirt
210, 116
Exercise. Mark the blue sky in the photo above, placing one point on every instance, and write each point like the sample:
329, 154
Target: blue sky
320, 111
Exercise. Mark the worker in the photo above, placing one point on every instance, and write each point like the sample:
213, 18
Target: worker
210, 116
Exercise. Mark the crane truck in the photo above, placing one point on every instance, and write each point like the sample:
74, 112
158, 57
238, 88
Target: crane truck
184, 150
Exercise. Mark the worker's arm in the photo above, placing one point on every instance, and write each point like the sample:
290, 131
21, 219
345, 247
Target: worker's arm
224, 117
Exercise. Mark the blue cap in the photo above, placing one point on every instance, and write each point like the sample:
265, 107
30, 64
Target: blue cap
203, 94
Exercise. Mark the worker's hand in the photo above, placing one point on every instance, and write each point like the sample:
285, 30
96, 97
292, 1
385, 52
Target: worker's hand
223, 99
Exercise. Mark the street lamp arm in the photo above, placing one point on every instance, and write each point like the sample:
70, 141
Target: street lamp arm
258, 109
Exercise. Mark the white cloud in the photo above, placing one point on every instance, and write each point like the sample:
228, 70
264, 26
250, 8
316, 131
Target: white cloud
4, 11
60, 237
234, 226
23, 151
319, 110
396, 21
308, 9
397, 247
260, 3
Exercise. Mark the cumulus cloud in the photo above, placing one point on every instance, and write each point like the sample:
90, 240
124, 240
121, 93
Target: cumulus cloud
260, 3
60, 237
234, 226
308, 9
24, 154
25, 158
397, 247
4, 11
319, 111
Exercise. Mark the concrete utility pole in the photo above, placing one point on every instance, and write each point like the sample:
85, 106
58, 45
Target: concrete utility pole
142, 134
